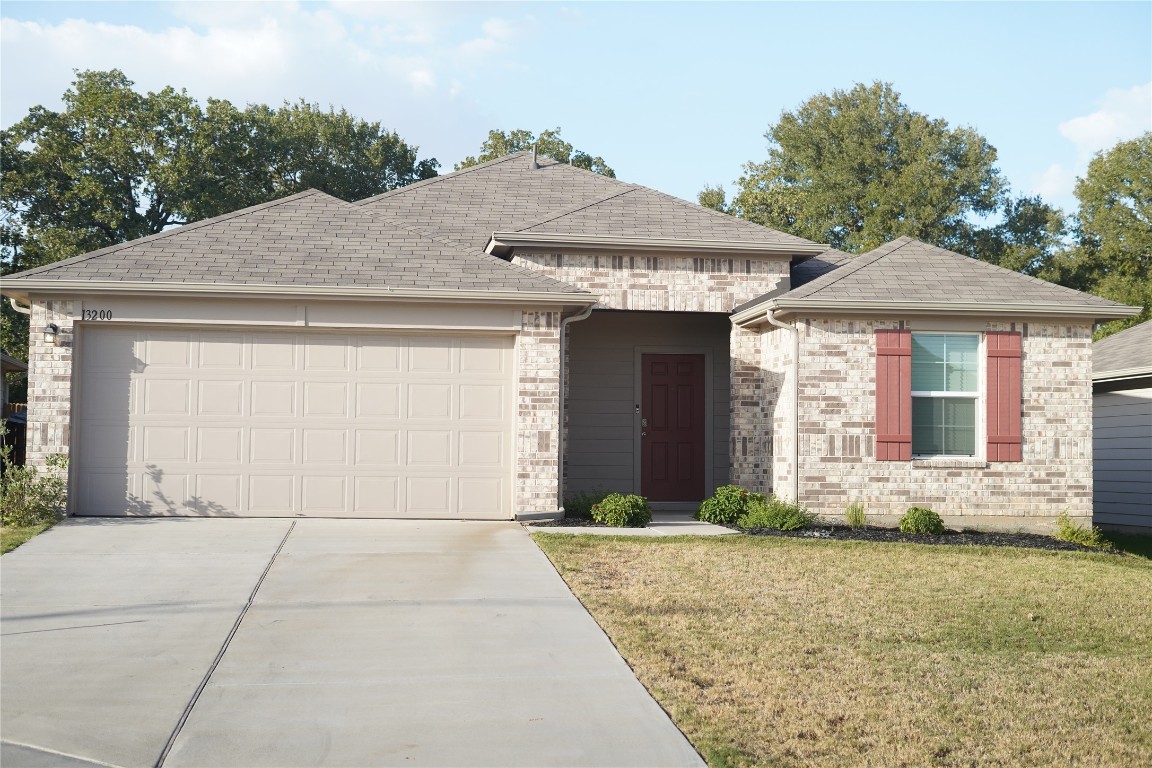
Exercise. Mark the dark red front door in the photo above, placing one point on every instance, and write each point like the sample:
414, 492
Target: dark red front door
672, 427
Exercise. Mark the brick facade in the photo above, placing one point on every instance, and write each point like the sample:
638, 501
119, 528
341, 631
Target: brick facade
537, 413
49, 382
662, 283
752, 397
837, 445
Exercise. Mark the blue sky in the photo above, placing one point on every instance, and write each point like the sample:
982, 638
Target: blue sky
672, 95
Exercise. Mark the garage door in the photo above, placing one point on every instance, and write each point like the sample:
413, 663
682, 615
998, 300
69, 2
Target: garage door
276, 424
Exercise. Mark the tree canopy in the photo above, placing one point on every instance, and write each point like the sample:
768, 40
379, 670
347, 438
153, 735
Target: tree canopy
1113, 255
116, 164
857, 168
501, 143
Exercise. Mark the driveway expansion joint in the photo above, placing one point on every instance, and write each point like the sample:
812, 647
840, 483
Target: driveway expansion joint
223, 649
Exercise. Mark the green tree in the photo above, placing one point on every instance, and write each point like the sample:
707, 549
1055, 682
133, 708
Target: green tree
1031, 234
116, 164
713, 197
857, 168
1113, 255
501, 143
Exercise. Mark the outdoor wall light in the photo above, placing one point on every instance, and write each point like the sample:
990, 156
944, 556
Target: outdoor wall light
52, 334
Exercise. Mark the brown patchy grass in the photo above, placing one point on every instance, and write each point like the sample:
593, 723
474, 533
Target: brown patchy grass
769, 651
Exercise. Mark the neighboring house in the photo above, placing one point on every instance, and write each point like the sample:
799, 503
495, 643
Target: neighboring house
1122, 436
452, 348
13, 415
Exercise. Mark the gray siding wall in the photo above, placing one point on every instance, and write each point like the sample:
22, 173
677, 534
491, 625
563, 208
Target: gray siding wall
1122, 459
603, 427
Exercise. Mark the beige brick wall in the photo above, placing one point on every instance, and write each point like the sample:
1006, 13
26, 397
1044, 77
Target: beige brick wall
537, 413
661, 283
837, 446
753, 396
49, 383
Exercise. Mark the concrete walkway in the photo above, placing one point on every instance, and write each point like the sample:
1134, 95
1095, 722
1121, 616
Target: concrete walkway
211, 642
663, 524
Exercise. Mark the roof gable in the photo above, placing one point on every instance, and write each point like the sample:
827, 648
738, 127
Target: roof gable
307, 239
907, 270
508, 195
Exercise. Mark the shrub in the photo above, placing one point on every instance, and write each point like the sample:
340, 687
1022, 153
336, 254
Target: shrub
921, 520
777, 514
1069, 530
580, 504
726, 505
621, 511
854, 515
28, 497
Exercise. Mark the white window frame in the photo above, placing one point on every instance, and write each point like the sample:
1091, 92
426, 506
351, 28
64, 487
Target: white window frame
979, 396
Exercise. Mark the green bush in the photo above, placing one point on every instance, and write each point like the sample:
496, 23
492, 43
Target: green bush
726, 505
1069, 530
777, 514
621, 511
580, 504
854, 515
921, 520
28, 497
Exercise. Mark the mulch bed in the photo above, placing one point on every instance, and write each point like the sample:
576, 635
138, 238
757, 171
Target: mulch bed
872, 533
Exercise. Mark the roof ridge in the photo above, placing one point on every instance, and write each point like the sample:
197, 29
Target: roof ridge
440, 177
189, 227
856, 264
972, 260
727, 216
552, 216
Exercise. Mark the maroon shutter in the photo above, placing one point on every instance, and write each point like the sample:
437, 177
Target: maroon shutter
1005, 441
893, 395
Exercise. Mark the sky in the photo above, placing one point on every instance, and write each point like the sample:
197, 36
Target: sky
674, 96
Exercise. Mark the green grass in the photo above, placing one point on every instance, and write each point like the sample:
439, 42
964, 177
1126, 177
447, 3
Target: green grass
770, 651
12, 536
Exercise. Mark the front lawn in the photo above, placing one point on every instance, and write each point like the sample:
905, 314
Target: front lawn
771, 651
12, 536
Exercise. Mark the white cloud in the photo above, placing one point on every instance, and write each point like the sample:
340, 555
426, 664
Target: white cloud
1123, 115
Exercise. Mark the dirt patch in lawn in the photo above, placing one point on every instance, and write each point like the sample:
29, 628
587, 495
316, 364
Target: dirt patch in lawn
780, 651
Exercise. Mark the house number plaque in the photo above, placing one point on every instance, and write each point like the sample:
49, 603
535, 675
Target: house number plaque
96, 314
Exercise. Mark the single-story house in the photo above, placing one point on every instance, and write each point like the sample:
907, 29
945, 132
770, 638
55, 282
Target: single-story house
1122, 435
479, 344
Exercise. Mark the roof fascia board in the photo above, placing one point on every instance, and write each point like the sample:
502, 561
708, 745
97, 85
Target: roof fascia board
503, 242
1122, 373
920, 308
87, 287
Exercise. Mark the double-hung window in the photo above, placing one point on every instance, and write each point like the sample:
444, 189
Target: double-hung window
945, 393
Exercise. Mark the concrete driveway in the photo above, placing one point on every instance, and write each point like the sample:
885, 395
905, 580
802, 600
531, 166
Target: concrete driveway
233, 642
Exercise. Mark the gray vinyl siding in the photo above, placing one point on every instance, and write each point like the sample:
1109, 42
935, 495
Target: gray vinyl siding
603, 427
1122, 459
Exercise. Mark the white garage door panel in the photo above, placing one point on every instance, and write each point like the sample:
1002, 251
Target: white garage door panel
274, 424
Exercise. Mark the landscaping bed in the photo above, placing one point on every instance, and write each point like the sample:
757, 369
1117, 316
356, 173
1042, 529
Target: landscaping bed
965, 537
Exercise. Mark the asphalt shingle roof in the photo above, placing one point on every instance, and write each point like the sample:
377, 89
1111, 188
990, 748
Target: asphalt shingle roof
907, 270
308, 239
1128, 349
508, 195
808, 270
643, 212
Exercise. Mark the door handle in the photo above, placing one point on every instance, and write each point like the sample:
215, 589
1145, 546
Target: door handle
643, 434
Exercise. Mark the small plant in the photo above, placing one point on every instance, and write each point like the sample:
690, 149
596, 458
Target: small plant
921, 520
726, 505
580, 504
28, 497
854, 516
621, 511
777, 514
1069, 530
